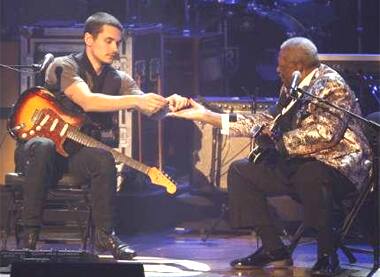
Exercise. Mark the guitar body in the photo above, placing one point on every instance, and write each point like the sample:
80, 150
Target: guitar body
266, 148
30, 103
37, 114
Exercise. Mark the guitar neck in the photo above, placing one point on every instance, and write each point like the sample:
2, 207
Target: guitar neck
83, 139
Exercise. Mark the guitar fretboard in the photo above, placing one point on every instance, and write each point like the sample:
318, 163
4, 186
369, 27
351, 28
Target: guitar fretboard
75, 135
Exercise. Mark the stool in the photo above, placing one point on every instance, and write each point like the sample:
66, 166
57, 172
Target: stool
67, 206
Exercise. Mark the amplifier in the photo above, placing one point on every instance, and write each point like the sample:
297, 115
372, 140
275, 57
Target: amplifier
362, 73
8, 257
213, 153
352, 63
237, 104
194, 64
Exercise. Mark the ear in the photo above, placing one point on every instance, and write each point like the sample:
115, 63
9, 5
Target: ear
303, 70
88, 39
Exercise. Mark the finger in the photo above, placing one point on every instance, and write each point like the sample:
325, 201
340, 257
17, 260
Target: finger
193, 102
159, 105
172, 114
172, 109
173, 102
182, 104
159, 98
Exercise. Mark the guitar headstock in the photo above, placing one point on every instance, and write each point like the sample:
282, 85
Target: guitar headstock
161, 179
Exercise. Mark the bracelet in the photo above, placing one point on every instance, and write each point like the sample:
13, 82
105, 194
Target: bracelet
232, 117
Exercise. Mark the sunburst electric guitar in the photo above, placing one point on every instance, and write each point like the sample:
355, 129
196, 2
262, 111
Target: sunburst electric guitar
37, 114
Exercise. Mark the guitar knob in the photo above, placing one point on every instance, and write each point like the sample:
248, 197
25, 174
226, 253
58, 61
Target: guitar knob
38, 128
32, 132
24, 135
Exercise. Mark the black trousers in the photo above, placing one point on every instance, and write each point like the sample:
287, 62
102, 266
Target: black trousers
313, 183
42, 167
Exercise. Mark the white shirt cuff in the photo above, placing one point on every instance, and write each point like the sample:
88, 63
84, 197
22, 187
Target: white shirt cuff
225, 124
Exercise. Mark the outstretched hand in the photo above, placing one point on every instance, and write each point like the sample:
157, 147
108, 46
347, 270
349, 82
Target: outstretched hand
177, 102
193, 111
151, 103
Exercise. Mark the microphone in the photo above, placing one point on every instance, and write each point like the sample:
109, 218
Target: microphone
252, 96
296, 76
48, 59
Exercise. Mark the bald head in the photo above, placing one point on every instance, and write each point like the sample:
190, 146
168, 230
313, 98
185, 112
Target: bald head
296, 54
300, 50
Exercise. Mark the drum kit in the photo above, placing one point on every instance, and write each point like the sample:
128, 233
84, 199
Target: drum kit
254, 29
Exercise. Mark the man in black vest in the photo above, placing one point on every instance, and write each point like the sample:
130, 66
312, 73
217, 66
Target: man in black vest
85, 84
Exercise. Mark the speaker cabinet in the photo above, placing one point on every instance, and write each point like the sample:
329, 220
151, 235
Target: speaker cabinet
362, 73
213, 153
43, 269
194, 64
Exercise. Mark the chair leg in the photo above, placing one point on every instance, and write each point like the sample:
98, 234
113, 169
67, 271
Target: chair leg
298, 234
349, 220
89, 234
6, 233
347, 252
11, 214
296, 238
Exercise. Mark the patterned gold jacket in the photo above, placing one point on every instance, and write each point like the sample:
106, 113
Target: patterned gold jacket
318, 131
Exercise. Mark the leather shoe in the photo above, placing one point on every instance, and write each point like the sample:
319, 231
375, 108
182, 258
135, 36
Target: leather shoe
327, 265
262, 258
110, 242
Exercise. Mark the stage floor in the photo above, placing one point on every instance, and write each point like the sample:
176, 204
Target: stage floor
170, 253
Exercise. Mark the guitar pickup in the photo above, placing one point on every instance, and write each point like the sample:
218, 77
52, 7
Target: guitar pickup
54, 124
36, 116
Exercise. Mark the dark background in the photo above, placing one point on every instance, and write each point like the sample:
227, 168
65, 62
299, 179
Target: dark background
225, 48
334, 24
252, 30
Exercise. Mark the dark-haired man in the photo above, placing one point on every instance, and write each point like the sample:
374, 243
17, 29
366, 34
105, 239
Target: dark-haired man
317, 154
86, 84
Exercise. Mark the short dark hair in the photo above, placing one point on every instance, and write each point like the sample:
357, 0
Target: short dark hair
95, 23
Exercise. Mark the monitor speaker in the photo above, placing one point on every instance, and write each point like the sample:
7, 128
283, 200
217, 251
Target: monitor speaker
213, 154
75, 269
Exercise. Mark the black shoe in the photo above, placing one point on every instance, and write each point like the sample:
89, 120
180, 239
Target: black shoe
262, 258
327, 265
110, 242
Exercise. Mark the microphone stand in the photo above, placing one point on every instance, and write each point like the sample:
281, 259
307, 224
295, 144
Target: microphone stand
370, 123
34, 67
374, 181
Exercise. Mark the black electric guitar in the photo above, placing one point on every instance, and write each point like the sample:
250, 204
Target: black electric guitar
37, 114
259, 151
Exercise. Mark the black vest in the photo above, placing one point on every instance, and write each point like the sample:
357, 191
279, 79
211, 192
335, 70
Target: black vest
102, 126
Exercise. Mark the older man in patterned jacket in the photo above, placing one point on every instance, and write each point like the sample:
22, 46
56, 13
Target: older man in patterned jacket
315, 152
